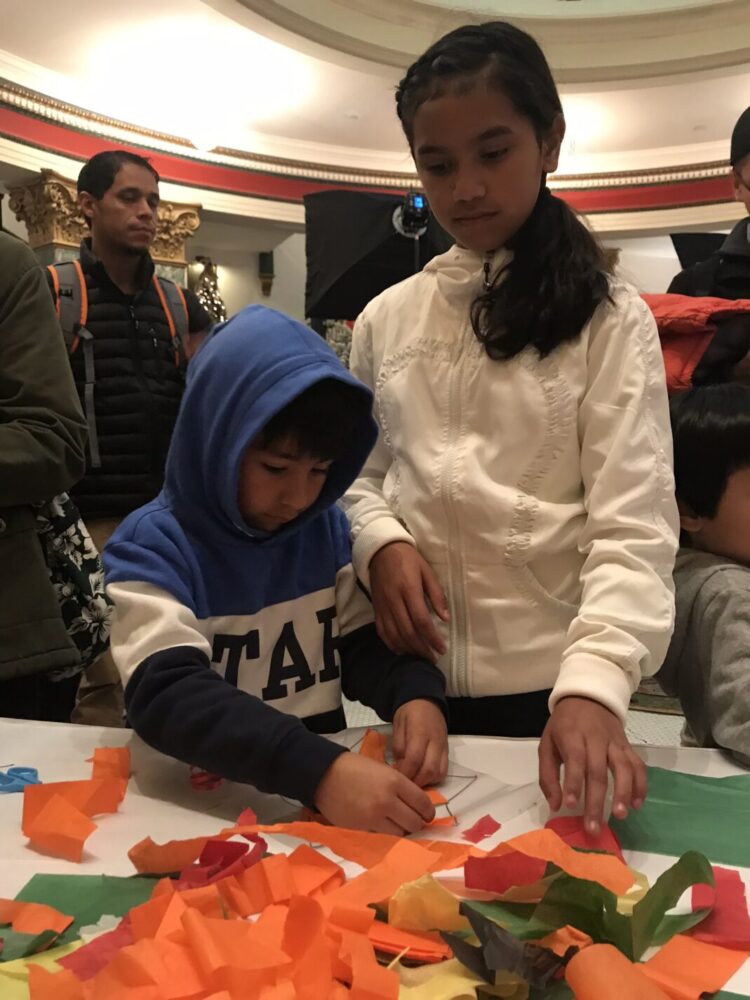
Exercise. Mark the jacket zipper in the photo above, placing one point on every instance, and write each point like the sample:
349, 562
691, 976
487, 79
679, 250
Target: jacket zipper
150, 407
458, 631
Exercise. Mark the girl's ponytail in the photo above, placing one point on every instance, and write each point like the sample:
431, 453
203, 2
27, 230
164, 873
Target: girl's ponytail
551, 288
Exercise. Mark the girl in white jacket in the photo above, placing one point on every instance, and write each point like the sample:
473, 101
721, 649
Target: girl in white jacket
516, 520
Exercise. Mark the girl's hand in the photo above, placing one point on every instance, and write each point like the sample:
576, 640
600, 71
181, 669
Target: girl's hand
589, 741
401, 583
420, 742
363, 794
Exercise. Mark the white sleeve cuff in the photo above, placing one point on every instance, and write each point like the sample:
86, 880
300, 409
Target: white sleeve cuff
593, 677
372, 539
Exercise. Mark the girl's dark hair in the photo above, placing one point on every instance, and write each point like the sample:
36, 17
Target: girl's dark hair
558, 275
323, 421
711, 431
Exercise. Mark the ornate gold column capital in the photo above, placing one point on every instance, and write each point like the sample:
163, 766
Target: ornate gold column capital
49, 209
48, 206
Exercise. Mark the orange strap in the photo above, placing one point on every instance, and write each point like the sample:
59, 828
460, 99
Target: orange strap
56, 285
184, 305
84, 293
170, 320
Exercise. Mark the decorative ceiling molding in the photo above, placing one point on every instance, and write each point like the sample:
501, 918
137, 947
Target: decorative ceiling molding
392, 33
270, 188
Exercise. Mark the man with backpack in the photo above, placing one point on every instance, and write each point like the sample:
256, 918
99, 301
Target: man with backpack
128, 335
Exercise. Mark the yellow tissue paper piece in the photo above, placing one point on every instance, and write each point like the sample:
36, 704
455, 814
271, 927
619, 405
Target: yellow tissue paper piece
453, 981
424, 905
14, 976
626, 902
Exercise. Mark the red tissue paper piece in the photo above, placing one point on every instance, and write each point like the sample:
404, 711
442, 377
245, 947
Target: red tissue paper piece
498, 874
204, 781
572, 830
88, 960
728, 923
483, 827
220, 859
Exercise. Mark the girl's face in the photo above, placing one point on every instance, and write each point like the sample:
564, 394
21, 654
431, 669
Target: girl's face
481, 164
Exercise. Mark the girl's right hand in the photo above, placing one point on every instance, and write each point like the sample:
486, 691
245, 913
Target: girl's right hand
401, 583
363, 794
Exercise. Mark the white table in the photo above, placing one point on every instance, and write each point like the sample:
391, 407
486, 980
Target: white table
161, 802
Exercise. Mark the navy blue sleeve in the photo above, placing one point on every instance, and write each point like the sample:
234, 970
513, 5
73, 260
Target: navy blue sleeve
178, 705
373, 675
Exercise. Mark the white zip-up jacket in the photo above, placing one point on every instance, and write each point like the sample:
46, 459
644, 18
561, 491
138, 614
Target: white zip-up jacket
541, 492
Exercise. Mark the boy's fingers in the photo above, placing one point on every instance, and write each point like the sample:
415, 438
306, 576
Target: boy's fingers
431, 771
640, 781
549, 772
622, 772
574, 761
399, 739
412, 760
596, 784
417, 800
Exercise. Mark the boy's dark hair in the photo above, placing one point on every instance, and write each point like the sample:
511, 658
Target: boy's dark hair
711, 431
558, 275
98, 175
323, 421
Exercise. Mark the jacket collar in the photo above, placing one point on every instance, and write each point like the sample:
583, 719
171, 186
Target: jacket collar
93, 266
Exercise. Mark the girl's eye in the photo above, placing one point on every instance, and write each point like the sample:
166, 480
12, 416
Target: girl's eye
275, 470
321, 472
494, 154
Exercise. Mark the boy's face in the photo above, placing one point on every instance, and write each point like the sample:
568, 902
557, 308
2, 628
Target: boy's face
277, 483
727, 533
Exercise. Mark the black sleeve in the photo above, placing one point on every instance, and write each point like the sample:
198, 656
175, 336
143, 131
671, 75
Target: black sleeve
373, 675
682, 283
198, 318
180, 706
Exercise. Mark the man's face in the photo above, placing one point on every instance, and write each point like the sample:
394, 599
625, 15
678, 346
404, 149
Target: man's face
124, 218
741, 182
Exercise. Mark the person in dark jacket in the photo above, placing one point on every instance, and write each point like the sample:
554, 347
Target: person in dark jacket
139, 378
726, 274
238, 616
42, 453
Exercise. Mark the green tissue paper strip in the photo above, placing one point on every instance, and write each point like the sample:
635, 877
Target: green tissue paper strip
87, 898
680, 814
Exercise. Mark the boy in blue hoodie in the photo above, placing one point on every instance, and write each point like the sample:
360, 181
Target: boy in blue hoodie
238, 618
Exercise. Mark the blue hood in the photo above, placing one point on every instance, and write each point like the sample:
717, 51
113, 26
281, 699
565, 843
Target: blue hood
247, 371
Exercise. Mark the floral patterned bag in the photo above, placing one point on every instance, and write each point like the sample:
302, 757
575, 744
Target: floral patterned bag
76, 573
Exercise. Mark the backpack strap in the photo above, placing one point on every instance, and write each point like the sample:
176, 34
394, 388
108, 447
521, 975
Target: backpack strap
175, 309
71, 300
72, 305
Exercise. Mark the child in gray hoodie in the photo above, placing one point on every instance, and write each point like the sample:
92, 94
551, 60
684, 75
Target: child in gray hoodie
708, 663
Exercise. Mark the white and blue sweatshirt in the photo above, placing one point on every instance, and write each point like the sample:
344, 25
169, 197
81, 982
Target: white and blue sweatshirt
233, 644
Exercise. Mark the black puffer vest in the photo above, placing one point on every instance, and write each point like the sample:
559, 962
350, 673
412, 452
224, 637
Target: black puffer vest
137, 391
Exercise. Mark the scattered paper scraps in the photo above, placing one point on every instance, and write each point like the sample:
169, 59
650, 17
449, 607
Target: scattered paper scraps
728, 923
483, 828
57, 816
602, 971
572, 830
685, 969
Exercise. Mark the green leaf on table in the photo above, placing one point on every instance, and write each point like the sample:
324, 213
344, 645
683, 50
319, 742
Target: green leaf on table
588, 907
650, 923
517, 918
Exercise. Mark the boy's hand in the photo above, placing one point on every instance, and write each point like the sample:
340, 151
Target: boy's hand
589, 741
401, 582
362, 794
420, 742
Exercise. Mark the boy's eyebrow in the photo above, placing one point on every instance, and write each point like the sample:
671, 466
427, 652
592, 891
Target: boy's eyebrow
490, 133
295, 456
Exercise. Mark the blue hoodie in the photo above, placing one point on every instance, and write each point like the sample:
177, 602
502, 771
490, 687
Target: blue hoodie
233, 643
